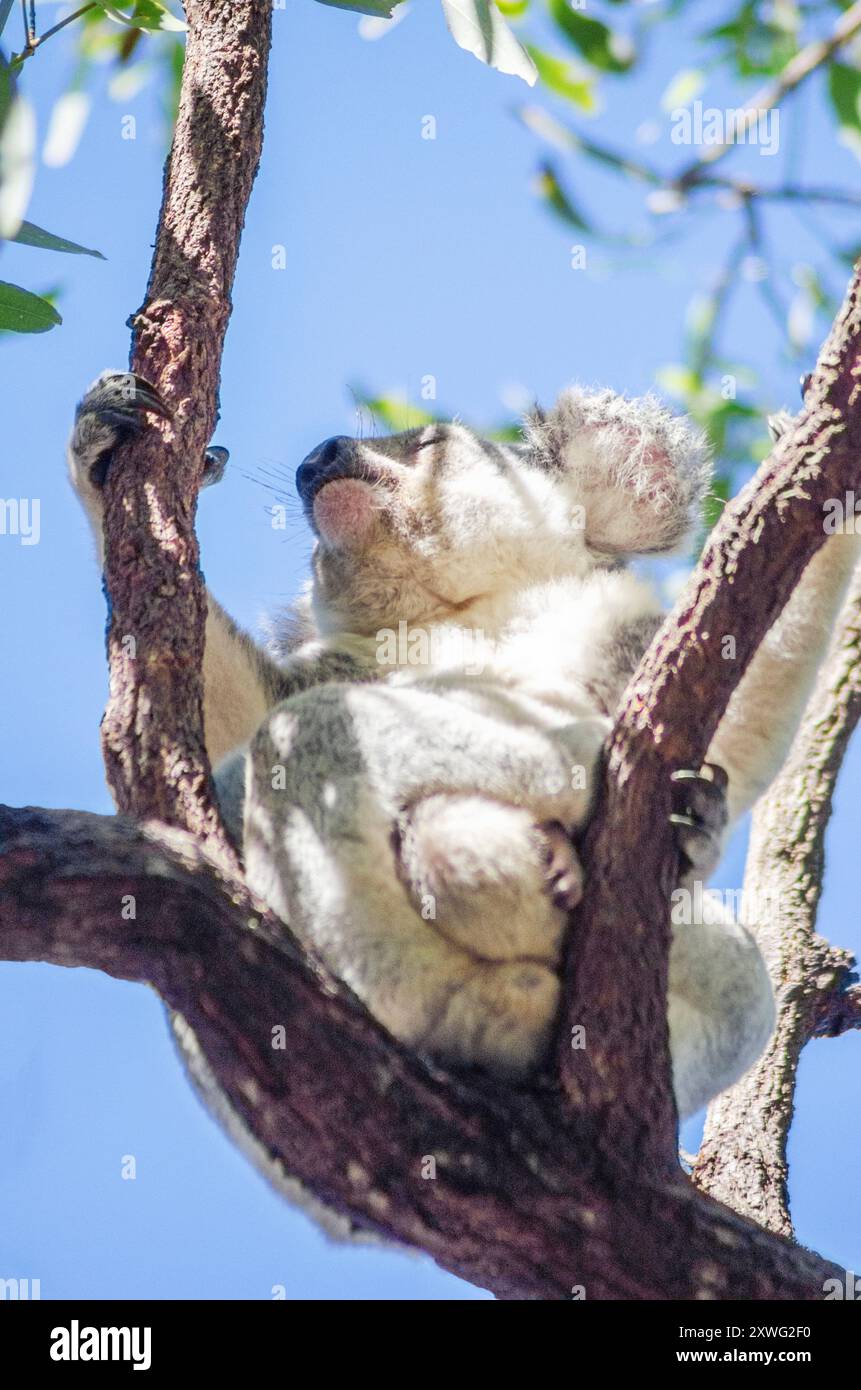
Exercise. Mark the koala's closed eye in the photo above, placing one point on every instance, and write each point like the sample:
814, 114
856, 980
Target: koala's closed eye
429, 443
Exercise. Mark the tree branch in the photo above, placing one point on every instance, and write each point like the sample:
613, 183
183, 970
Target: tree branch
513, 1200
619, 945
742, 1159
152, 733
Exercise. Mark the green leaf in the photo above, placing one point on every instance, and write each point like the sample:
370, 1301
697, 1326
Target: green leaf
599, 45
146, 14
844, 89
29, 234
382, 9
478, 26
754, 44
395, 412
513, 9
23, 312
549, 188
683, 88
680, 381
563, 79
7, 90
719, 494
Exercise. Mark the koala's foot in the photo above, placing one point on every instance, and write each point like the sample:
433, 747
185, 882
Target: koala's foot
112, 410
487, 877
563, 873
700, 819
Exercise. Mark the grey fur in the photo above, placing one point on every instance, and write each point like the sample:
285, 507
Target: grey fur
400, 813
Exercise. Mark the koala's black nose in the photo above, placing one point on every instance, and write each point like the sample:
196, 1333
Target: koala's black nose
328, 460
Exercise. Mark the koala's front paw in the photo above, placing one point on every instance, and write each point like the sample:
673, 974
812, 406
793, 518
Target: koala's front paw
111, 410
700, 818
563, 873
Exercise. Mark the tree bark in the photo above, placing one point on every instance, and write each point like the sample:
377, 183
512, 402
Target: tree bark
742, 1160
152, 734
513, 1200
619, 942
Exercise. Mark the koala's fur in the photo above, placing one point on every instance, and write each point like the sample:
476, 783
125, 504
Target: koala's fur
412, 820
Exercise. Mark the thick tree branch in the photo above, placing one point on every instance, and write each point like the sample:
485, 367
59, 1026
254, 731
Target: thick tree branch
512, 1200
152, 733
742, 1160
619, 945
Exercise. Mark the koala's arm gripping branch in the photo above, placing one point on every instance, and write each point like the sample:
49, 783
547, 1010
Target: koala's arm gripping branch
755, 734
617, 960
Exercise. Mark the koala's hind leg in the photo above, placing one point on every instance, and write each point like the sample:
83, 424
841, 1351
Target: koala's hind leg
489, 877
721, 1004
319, 848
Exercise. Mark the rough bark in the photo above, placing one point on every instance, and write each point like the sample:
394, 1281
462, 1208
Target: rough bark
619, 944
519, 1203
742, 1160
152, 733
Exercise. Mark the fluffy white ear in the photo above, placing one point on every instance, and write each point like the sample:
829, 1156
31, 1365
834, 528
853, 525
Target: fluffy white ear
639, 472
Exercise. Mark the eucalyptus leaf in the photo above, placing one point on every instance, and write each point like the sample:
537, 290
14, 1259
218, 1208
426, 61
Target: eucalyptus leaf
380, 9
23, 312
844, 88
550, 189
478, 26
560, 77
599, 45
396, 413
146, 14
29, 234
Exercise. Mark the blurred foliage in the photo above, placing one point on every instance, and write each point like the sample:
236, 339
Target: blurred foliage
579, 55
137, 44
395, 413
740, 49
582, 61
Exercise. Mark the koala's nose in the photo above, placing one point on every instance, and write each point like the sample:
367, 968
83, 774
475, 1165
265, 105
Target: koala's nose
327, 461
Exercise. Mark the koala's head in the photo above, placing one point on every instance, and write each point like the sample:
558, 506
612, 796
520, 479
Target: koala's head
418, 525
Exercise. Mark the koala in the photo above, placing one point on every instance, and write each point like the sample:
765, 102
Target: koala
410, 763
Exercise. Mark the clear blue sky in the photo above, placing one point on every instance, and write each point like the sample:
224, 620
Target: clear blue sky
404, 257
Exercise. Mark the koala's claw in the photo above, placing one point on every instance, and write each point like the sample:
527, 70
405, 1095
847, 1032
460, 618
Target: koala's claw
111, 410
124, 394
562, 870
780, 424
701, 817
214, 465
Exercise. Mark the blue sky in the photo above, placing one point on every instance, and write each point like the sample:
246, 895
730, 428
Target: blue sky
404, 257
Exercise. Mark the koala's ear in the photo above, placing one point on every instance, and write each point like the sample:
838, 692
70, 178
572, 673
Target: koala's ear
639, 472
